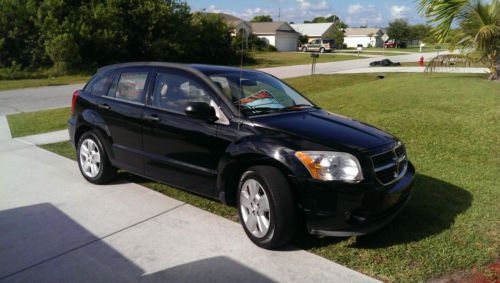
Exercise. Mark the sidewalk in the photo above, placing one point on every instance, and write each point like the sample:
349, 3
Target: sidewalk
46, 138
56, 227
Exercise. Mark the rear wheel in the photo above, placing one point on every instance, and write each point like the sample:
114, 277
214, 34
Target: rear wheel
322, 50
266, 207
93, 160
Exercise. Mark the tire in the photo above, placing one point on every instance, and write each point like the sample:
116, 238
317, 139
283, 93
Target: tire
258, 184
93, 160
322, 50
304, 49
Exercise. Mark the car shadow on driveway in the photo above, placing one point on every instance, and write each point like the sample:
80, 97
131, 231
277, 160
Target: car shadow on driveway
432, 209
40, 243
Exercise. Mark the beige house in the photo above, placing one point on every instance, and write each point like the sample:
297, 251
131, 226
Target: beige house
364, 36
278, 34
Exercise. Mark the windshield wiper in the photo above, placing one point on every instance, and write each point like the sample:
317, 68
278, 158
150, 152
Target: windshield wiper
297, 107
261, 109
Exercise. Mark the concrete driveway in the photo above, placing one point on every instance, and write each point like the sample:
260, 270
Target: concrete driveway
56, 227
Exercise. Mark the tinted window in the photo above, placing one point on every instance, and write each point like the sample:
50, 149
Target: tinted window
174, 92
130, 86
99, 86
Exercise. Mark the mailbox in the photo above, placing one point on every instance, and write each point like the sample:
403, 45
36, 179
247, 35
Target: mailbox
314, 55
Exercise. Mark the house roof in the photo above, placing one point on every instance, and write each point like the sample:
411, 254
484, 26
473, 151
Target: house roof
362, 31
312, 29
271, 27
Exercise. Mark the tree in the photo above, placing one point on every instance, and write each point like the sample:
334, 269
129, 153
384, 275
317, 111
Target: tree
399, 30
341, 25
303, 39
337, 35
332, 19
479, 36
261, 19
422, 33
64, 34
319, 20
19, 39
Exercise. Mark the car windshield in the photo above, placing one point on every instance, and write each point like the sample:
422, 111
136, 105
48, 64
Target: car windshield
257, 93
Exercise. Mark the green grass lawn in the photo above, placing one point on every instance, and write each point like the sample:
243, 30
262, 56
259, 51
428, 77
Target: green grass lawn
24, 83
451, 126
32, 123
276, 59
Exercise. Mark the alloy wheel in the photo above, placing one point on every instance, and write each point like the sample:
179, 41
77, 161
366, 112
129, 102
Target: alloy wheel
90, 158
255, 208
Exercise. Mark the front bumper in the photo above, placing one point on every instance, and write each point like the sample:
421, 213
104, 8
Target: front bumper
340, 209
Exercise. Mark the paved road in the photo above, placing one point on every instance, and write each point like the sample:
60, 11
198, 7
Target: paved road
34, 99
56, 227
412, 70
333, 67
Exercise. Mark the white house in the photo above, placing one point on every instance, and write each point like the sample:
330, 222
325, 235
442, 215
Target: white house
278, 34
314, 30
364, 36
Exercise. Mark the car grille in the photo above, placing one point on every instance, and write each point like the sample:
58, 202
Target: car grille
390, 166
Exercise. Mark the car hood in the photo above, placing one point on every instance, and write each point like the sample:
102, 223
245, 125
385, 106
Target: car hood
326, 128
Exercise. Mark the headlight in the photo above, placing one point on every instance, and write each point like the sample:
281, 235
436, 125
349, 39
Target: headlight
329, 165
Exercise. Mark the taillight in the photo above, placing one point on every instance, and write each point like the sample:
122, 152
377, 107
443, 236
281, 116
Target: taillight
73, 101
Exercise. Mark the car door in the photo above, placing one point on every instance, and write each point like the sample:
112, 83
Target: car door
315, 45
121, 109
180, 150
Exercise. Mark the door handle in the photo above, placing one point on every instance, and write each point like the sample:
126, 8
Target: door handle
104, 106
152, 118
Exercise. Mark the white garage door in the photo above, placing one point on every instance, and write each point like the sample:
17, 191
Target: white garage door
286, 43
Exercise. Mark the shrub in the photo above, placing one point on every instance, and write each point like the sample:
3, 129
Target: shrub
63, 51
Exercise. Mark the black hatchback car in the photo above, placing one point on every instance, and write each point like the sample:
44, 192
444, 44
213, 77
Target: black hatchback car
245, 138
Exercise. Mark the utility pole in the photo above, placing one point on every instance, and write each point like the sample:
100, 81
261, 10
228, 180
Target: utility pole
279, 14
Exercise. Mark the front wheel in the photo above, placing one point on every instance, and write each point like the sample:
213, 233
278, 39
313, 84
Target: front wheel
93, 160
304, 49
266, 207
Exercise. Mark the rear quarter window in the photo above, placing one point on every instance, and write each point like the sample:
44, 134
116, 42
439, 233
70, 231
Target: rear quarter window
100, 84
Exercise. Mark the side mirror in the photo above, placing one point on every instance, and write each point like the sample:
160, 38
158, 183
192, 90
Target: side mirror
201, 110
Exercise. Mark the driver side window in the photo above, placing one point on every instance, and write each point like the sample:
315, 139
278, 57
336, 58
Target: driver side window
174, 92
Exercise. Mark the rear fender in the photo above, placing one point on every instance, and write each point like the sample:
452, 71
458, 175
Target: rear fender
91, 120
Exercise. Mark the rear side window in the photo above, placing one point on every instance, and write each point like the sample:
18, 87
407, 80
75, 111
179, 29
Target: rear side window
100, 85
174, 91
130, 86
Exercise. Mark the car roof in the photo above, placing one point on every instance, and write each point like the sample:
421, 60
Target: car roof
198, 67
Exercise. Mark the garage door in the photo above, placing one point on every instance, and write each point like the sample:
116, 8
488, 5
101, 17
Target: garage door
286, 43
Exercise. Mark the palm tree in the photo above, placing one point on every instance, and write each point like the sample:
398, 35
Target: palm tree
479, 36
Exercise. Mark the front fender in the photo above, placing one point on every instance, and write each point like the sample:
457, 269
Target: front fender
251, 151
